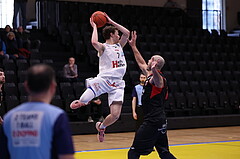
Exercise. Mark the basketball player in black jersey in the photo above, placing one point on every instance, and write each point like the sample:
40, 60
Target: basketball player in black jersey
153, 132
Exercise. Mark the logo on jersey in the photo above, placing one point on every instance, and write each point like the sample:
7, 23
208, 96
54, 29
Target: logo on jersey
111, 84
96, 86
26, 128
116, 64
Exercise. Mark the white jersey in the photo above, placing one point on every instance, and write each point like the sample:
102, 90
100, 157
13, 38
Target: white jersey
112, 62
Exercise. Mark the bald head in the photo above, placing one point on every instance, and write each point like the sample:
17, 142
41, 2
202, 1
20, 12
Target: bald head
39, 78
160, 60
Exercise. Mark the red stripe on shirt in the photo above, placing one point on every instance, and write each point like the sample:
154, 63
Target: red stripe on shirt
155, 91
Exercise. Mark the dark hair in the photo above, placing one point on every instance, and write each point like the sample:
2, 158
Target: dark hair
107, 30
7, 26
39, 77
141, 73
1, 70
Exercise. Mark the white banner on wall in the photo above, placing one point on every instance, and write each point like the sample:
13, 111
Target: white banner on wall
6, 12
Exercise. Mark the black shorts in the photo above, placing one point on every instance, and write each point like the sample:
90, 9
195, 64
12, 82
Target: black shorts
149, 136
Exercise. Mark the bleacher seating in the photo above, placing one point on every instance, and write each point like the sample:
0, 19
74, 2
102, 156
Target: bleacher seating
202, 67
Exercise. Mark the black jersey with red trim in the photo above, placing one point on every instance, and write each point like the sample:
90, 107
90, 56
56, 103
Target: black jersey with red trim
153, 100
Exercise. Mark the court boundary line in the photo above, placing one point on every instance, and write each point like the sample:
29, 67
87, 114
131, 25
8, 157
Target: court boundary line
200, 143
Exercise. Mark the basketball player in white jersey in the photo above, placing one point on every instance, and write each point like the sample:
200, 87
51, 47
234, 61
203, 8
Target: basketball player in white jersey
112, 67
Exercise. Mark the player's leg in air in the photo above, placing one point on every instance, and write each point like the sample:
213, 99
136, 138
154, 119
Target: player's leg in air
115, 111
87, 96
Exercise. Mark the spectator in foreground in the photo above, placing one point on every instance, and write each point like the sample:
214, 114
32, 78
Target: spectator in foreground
36, 129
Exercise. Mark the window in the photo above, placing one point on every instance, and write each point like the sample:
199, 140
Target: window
6, 12
212, 12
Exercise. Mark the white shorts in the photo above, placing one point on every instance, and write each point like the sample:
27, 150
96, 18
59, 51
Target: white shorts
114, 88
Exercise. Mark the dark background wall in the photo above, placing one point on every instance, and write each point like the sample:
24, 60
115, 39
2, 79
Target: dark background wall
194, 9
134, 2
232, 7
31, 12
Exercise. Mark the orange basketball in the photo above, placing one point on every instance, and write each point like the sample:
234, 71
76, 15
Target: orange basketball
99, 19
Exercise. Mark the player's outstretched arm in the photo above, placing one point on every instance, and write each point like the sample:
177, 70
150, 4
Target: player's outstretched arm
94, 40
140, 61
125, 31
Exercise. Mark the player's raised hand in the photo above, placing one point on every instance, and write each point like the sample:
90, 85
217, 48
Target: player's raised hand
109, 20
133, 40
92, 23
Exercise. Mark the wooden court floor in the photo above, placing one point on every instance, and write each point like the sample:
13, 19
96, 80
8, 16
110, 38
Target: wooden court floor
207, 143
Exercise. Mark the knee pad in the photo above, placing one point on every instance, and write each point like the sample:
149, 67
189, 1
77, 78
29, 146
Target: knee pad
87, 96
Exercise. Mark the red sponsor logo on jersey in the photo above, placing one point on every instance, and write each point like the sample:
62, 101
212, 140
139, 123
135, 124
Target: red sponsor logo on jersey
115, 64
24, 133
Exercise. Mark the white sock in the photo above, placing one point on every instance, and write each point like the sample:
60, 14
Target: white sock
102, 126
